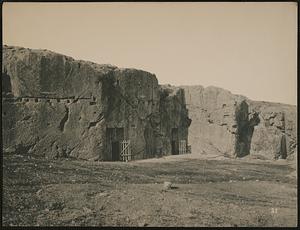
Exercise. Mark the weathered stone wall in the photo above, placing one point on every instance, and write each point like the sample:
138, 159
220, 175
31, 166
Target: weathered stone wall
236, 126
276, 134
60, 107
65, 101
174, 118
131, 99
213, 126
40, 73
56, 106
51, 128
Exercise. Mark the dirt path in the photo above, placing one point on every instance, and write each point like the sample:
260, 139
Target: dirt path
208, 192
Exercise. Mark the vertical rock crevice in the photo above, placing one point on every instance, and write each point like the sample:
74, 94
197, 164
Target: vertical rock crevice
281, 152
64, 119
245, 128
6, 83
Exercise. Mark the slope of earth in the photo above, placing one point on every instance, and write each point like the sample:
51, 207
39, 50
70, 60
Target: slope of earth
207, 192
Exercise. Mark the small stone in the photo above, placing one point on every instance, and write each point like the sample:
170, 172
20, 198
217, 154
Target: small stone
167, 185
87, 210
38, 192
142, 224
103, 194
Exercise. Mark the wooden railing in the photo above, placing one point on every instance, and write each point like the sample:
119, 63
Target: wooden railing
126, 151
182, 147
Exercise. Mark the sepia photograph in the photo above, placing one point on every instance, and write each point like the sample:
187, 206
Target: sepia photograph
149, 114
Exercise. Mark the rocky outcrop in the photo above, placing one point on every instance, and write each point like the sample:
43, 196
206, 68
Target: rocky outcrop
56, 106
234, 125
276, 134
213, 126
173, 117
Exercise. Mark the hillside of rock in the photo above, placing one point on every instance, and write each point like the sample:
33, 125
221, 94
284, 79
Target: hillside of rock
56, 106
276, 133
237, 126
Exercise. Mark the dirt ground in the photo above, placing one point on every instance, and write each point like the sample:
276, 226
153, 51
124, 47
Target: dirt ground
207, 191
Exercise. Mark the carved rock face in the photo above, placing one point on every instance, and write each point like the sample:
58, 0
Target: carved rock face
56, 106
61, 107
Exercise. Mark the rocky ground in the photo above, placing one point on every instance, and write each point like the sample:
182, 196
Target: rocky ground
207, 191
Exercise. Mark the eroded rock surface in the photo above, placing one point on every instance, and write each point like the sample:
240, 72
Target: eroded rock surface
276, 134
56, 106
237, 126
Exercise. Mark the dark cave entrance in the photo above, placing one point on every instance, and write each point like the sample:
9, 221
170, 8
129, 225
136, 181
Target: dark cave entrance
6, 83
245, 128
114, 136
282, 148
174, 141
150, 142
115, 150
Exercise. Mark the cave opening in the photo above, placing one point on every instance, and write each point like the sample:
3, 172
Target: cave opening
281, 152
283, 147
6, 83
245, 128
150, 142
114, 138
174, 141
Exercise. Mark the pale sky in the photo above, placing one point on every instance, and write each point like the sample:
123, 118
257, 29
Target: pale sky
247, 48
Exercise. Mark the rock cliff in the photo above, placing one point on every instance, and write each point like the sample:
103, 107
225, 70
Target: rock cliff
56, 106
276, 133
237, 126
